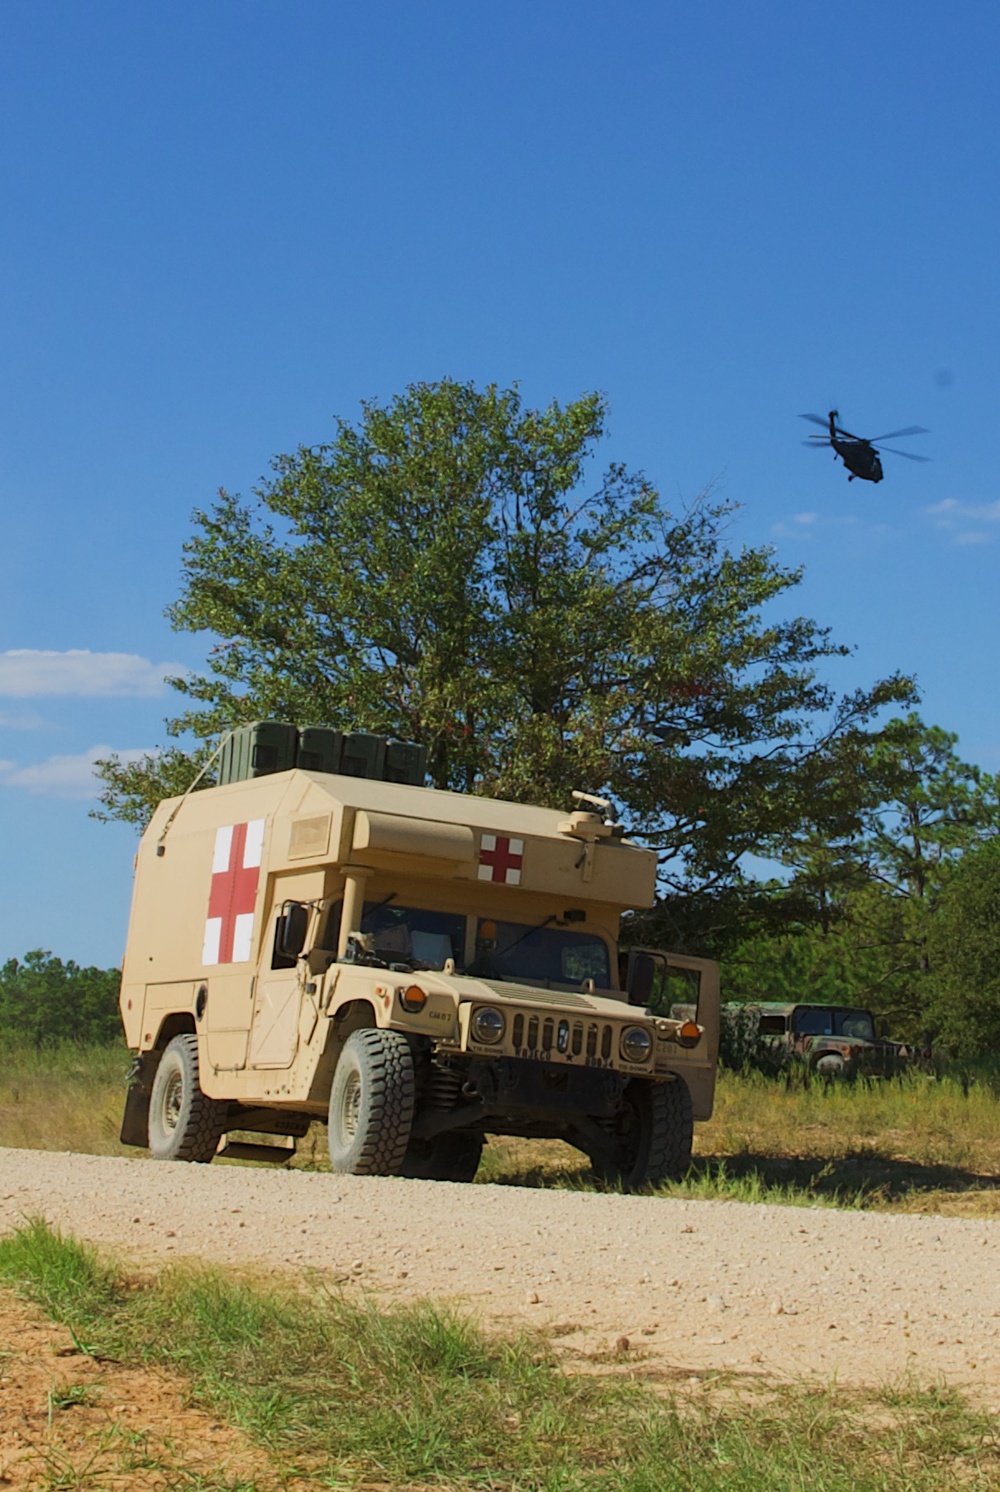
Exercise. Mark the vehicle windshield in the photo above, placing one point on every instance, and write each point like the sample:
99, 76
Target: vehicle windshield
540, 955
413, 936
829, 1021
402, 935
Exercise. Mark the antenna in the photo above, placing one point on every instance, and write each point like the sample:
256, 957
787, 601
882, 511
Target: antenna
601, 803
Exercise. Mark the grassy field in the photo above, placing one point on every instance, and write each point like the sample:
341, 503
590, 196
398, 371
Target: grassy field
914, 1143
337, 1393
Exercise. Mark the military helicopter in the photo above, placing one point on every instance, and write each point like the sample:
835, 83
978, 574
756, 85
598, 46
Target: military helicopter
858, 454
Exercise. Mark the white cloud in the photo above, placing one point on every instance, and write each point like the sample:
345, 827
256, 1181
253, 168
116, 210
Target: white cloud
803, 526
974, 536
955, 515
32, 672
950, 510
63, 776
26, 720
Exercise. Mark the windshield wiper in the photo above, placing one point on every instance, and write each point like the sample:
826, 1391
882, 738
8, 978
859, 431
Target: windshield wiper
527, 933
377, 908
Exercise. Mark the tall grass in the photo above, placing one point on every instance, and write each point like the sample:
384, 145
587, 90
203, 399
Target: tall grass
343, 1393
916, 1141
952, 1119
66, 1097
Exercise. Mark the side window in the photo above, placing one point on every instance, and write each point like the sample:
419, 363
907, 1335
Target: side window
773, 1025
329, 928
280, 960
290, 928
676, 991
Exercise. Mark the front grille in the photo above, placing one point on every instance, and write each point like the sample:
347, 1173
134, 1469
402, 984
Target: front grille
554, 1038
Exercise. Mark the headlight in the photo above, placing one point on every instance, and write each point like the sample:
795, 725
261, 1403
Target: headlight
636, 1044
488, 1025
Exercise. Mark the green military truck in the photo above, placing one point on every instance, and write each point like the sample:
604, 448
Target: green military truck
836, 1040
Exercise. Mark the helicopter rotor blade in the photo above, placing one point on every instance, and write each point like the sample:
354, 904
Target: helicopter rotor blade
816, 443
816, 420
895, 434
908, 454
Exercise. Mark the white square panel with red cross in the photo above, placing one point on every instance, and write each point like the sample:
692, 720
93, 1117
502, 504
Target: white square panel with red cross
501, 859
233, 896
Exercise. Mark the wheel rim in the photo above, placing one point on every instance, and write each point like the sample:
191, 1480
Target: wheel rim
350, 1108
172, 1100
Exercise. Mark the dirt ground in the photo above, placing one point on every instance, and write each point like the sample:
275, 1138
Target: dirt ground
696, 1287
67, 1420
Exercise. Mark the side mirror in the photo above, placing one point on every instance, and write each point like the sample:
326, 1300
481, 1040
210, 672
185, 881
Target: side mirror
292, 927
641, 973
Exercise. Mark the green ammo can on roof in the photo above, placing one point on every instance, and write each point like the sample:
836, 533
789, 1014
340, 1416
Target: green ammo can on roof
405, 762
268, 746
319, 748
363, 755
257, 750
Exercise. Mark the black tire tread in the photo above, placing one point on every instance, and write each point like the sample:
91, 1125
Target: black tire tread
672, 1133
389, 1064
206, 1121
663, 1151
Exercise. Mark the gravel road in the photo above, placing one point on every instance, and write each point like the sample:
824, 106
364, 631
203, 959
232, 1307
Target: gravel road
775, 1291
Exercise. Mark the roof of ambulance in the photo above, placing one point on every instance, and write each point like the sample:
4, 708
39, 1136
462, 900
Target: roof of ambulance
287, 792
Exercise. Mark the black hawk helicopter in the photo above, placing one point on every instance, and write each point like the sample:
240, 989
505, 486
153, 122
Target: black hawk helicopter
858, 455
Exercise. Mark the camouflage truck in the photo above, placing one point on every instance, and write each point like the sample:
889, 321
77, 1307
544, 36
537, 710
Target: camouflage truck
417, 968
838, 1040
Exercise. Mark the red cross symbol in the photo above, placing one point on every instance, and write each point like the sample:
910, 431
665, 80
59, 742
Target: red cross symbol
500, 859
233, 894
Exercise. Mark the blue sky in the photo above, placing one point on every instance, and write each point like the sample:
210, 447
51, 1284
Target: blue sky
223, 224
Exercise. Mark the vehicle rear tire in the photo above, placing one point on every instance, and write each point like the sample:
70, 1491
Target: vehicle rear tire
371, 1104
453, 1156
183, 1123
652, 1135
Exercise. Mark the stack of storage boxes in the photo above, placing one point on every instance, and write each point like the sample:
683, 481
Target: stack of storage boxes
267, 746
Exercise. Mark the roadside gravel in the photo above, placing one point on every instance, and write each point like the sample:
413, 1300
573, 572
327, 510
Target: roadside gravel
865, 1298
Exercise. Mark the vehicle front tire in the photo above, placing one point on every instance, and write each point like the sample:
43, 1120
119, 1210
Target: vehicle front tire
184, 1124
651, 1137
372, 1100
452, 1156
831, 1066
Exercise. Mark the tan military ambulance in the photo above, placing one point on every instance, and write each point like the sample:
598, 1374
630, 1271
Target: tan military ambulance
416, 968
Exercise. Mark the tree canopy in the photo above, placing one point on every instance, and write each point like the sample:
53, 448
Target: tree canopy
964, 954
863, 905
44, 1001
454, 569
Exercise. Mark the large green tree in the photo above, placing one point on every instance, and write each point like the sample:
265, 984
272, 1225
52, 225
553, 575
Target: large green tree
455, 569
964, 952
867, 878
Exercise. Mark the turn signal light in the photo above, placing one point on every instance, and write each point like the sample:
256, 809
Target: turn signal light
689, 1034
413, 998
